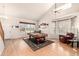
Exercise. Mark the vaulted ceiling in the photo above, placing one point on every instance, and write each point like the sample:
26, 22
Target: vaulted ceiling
32, 11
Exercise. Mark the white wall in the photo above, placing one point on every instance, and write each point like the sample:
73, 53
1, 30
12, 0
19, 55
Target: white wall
12, 32
50, 16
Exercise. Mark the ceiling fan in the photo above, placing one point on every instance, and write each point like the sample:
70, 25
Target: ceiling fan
63, 7
55, 10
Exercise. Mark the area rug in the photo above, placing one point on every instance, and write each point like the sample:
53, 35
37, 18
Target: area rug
35, 47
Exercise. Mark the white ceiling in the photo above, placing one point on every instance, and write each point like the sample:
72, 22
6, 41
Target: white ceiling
32, 11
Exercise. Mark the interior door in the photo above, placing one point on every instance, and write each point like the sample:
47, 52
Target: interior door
1, 39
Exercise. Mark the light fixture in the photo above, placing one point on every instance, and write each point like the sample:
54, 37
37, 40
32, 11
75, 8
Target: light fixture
43, 25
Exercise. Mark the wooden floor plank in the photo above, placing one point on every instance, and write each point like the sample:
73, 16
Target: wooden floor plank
17, 47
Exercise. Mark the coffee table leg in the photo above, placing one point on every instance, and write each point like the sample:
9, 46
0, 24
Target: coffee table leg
72, 44
77, 44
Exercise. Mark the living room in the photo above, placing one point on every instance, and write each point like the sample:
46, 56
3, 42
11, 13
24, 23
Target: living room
52, 28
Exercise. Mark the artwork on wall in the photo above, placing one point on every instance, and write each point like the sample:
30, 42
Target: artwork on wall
17, 26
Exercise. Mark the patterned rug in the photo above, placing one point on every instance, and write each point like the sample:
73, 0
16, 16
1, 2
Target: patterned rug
35, 47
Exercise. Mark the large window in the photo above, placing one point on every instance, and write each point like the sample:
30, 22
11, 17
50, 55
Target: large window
27, 27
64, 26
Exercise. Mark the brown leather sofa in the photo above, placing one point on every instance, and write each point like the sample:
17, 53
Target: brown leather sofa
66, 38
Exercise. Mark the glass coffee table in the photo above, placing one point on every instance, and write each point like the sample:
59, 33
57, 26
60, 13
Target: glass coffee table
74, 42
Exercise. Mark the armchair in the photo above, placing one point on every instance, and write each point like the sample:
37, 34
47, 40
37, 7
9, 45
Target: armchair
66, 38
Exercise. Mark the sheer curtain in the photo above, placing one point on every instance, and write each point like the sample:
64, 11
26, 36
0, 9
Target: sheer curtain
64, 26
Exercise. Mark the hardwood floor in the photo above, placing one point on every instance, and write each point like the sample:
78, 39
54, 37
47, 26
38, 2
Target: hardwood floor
17, 47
